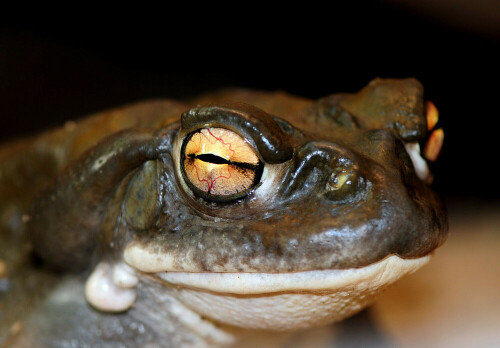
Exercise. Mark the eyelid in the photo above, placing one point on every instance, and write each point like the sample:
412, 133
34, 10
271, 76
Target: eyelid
272, 143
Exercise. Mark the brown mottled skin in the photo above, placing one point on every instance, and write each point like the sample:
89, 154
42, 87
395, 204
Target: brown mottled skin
81, 193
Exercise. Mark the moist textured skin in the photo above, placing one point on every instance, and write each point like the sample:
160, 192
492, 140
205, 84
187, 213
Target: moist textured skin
84, 193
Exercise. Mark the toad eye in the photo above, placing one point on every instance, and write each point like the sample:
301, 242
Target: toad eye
219, 165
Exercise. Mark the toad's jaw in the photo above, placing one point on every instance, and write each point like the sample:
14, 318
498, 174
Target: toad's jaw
284, 301
387, 270
272, 301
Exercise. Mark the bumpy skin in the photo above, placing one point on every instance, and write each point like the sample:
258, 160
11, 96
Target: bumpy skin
87, 191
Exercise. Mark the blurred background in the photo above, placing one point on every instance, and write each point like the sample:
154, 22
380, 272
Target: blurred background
62, 67
59, 67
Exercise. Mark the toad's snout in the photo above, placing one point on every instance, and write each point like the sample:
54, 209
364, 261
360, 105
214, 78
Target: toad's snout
327, 169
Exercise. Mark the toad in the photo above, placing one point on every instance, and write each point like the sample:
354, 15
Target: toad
171, 224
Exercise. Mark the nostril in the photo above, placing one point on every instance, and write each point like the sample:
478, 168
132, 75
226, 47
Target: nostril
343, 184
328, 169
338, 179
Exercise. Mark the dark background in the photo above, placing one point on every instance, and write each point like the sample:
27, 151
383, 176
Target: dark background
52, 70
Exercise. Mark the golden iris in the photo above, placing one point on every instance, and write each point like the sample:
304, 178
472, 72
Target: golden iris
219, 164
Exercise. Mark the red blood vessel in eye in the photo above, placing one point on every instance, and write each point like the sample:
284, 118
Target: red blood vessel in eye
219, 162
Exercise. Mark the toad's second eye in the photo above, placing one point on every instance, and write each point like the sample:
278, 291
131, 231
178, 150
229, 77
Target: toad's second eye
219, 165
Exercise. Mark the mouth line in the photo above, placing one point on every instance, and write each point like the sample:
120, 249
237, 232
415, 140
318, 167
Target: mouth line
385, 271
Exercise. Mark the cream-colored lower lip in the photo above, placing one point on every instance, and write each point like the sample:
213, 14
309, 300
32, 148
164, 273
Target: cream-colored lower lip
382, 272
285, 301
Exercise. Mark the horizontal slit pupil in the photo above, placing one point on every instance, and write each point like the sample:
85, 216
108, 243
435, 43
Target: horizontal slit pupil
212, 159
